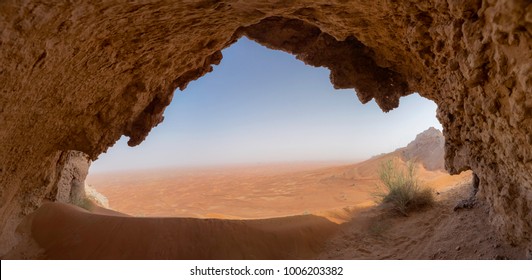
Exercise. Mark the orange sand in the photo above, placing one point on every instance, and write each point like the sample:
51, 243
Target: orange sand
262, 191
276, 211
61, 231
340, 224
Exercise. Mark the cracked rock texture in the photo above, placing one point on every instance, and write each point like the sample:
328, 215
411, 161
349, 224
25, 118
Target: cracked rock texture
78, 75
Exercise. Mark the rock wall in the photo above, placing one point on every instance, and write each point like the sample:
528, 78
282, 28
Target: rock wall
78, 75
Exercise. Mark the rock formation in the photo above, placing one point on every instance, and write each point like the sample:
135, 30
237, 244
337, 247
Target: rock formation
78, 75
96, 197
70, 187
427, 149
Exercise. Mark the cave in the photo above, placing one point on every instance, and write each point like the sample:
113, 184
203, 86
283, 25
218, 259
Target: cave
76, 77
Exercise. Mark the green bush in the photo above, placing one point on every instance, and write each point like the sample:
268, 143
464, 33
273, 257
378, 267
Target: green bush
402, 189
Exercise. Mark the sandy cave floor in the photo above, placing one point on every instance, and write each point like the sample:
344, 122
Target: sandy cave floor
435, 233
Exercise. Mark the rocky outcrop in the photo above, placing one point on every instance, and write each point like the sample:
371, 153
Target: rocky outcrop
427, 149
70, 187
96, 197
77, 76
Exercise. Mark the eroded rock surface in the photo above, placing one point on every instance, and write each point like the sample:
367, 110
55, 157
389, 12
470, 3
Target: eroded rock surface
78, 75
427, 149
70, 187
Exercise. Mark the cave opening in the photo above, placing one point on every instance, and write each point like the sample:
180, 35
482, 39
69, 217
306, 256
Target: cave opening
243, 141
79, 76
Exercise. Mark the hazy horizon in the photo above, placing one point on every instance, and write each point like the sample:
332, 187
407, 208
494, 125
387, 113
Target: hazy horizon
263, 106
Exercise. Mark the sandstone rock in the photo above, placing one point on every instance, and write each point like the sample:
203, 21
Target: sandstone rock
78, 75
70, 187
427, 149
96, 197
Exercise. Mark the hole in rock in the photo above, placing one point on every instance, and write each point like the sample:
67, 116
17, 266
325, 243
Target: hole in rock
263, 135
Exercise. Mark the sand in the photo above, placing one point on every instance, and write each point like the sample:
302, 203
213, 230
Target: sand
64, 231
252, 192
434, 233
261, 212
60, 231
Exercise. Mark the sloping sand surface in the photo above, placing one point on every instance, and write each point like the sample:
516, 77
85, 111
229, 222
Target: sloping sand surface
60, 231
435, 233
275, 211
67, 232
253, 192
261, 212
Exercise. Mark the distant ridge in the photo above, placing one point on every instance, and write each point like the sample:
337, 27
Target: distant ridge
427, 149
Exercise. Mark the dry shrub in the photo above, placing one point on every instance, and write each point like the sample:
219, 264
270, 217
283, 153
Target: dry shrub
402, 189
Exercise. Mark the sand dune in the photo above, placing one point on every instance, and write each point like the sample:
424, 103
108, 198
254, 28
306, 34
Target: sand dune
236, 220
264, 191
67, 232
276, 211
265, 212
60, 231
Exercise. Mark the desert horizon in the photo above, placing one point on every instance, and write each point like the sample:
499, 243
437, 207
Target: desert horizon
249, 191
268, 189
288, 210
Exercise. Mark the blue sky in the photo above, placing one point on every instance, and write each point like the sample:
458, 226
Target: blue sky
260, 106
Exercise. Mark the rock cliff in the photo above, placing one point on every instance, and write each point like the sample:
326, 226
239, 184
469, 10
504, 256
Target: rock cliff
78, 75
427, 149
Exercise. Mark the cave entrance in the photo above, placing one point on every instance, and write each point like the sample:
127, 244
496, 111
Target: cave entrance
253, 139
